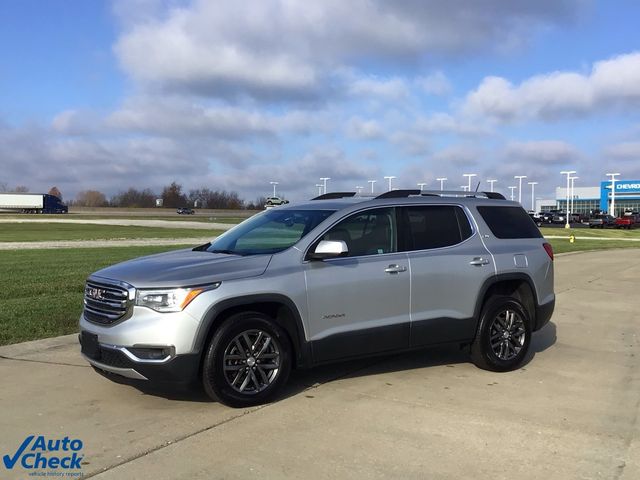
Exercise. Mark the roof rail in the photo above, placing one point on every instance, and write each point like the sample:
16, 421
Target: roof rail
398, 193
440, 193
334, 195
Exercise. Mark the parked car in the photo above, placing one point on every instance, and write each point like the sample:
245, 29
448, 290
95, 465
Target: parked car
559, 217
320, 282
276, 201
628, 220
546, 217
185, 211
602, 221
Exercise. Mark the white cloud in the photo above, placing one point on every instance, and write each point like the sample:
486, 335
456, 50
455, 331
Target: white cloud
625, 151
360, 129
611, 84
435, 84
543, 152
447, 123
390, 89
458, 156
286, 49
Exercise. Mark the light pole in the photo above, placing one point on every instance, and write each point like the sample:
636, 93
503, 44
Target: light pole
359, 190
442, 180
463, 187
519, 178
372, 182
324, 182
470, 175
274, 187
512, 188
613, 193
390, 177
573, 192
319, 185
568, 173
421, 185
491, 182
533, 188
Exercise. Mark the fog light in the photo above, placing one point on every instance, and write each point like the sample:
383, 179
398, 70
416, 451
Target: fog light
150, 353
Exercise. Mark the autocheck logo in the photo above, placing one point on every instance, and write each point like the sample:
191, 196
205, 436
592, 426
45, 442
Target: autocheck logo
62, 457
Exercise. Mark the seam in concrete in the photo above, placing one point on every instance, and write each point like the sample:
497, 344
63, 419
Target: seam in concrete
173, 442
42, 361
211, 427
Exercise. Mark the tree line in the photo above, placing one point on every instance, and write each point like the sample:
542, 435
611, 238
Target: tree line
172, 196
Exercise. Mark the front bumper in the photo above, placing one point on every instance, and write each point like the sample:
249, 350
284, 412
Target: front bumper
175, 369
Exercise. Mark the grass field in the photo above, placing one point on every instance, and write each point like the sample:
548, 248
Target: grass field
591, 232
41, 290
32, 232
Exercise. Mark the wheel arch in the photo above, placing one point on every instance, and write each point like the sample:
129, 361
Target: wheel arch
276, 306
517, 285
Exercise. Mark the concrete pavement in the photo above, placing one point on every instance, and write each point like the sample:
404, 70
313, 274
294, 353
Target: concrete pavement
571, 412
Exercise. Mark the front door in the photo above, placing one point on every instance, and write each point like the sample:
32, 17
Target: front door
359, 304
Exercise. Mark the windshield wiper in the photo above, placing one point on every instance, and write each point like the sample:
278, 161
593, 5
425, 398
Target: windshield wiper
228, 252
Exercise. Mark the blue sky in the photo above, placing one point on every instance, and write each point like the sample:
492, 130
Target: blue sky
230, 95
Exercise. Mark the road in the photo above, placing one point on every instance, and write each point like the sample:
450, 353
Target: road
570, 413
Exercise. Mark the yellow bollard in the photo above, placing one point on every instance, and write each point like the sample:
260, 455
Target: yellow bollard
572, 239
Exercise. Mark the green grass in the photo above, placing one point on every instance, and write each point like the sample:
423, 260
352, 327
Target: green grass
564, 246
41, 290
591, 232
32, 232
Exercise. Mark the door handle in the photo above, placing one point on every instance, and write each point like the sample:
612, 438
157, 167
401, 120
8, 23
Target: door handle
395, 269
479, 261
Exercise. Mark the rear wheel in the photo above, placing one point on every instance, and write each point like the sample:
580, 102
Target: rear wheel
503, 337
247, 361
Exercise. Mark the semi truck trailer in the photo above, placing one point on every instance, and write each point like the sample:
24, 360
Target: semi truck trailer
32, 203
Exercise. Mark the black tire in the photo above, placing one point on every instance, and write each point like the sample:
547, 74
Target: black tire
251, 378
501, 345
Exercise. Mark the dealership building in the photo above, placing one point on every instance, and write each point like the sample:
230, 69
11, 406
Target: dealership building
589, 199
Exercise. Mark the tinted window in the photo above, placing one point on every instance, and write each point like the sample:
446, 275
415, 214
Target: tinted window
366, 233
509, 222
433, 226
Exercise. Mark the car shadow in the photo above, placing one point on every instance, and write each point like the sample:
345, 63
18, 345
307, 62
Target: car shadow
302, 380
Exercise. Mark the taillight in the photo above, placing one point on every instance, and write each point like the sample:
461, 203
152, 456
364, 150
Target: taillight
549, 249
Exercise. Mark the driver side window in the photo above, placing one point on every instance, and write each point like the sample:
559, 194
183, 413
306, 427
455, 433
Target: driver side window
367, 233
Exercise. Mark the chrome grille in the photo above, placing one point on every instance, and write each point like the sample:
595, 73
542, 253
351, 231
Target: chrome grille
106, 303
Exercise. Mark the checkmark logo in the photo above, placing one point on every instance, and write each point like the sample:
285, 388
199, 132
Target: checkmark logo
9, 462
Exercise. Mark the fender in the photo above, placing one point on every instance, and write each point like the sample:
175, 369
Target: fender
293, 326
501, 278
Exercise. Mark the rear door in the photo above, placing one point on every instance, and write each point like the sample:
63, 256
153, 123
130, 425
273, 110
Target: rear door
449, 265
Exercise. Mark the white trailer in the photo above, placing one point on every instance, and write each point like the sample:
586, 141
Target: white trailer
31, 203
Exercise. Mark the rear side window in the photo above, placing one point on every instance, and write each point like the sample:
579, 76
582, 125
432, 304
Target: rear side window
433, 226
509, 222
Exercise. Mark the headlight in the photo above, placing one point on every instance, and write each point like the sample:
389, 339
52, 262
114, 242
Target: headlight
170, 300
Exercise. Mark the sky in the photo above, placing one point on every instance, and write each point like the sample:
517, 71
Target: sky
107, 95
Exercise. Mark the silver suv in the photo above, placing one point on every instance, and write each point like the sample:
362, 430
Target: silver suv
335, 278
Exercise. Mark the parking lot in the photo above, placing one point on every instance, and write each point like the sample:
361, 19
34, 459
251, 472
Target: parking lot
570, 412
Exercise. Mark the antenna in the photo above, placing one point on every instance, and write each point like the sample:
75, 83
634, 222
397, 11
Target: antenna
477, 186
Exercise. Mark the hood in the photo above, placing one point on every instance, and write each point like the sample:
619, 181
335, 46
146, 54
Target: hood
183, 268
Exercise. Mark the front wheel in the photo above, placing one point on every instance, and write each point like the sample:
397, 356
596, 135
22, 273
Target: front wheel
247, 361
503, 337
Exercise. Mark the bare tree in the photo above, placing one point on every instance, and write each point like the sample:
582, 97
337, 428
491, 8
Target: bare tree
21, 189
3, 186
55, 192
173, 197
90, 198
134, 198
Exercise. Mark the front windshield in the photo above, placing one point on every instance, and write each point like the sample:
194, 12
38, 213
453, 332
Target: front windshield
269, 232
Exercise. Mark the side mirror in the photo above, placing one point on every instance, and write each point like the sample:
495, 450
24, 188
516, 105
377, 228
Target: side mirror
329, 249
